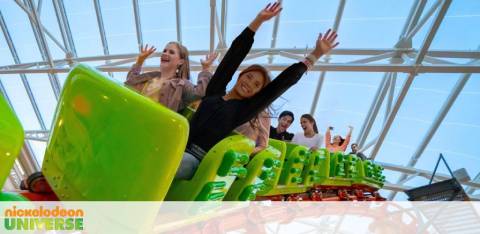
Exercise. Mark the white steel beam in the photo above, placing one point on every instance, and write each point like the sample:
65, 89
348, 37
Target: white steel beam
423, 173
375, 108
42, 43
24, 79
179, 20
425, 18
412, 19
436, 123
212, 24
223, 23
273, 42
338, 67
301, 52
321, 78
64, 27
423, 51
138, 25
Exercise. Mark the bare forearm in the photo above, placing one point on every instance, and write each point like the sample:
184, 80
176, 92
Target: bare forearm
255, 24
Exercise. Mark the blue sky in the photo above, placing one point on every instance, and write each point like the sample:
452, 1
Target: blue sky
345, 97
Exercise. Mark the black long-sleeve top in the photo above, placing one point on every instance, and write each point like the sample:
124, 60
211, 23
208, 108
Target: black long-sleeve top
215, 117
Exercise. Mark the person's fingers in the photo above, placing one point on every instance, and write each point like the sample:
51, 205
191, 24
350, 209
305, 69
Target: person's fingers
272, 8
278, 11
332, 39
268, 5
327, 34
335, 45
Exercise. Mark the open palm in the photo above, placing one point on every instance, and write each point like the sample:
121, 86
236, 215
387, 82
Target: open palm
209, 58
326, 42
270, 11
145, 52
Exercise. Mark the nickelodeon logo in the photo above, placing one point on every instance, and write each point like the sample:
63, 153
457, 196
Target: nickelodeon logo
43, 219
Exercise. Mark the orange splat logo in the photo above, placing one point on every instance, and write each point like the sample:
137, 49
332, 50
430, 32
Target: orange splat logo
81, 105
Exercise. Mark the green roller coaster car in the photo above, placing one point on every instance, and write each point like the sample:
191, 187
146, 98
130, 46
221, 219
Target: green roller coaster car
11, 139
110, 143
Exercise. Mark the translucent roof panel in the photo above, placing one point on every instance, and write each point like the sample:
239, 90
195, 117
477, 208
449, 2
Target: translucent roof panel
158, 22
195, 17
461, 19
119, 26
240, 17
300, 25
373, 23
84, 27
345, 97
21, 32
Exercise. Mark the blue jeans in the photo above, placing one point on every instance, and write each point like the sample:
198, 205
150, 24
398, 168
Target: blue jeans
188, 167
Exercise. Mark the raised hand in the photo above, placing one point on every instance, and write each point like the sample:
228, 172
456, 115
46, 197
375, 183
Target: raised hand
209, 58
270, 11
325, 43
145, 52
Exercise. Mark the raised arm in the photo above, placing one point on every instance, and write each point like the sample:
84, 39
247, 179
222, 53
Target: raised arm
328, 138
193, 92
288, 77
238, 51
134, 76
347, 139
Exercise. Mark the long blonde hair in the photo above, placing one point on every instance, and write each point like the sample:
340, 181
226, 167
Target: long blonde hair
183, 69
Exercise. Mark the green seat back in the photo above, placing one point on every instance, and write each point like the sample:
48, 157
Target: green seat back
111, 143
261, 175
317, 167
11, 139
293, 165
216, 172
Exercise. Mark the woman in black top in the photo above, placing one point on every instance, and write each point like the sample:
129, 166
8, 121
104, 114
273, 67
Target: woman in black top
221, 112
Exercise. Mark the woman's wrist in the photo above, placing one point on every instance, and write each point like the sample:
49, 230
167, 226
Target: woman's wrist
140, 61
255, 24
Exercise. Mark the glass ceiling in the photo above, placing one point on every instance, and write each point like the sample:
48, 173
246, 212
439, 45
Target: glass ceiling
345, 97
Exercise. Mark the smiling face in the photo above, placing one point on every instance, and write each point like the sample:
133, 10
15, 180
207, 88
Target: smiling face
170, 58
249, 84
306, 124
284, 123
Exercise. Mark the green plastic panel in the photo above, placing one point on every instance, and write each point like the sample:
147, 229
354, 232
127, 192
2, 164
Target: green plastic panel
11, 139
216, 173
260, 177
317, 167
277, 169
110, 143
293, 165
337, 165
9, 196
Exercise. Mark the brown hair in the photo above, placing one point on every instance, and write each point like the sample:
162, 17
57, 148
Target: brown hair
266, 81
183, 69
311, 119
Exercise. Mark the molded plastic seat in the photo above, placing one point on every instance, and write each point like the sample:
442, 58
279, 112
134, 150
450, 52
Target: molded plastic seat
293, 165
261, 174
11, 139
111, 143
216, 173
317, 167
